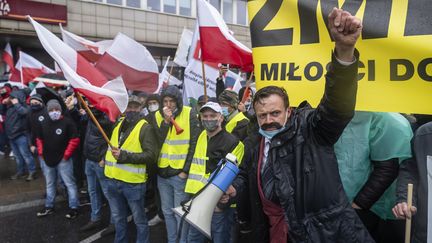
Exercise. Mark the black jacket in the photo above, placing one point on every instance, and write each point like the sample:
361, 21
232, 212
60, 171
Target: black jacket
34, 122
16, 116
415, 171
307, 181
95, 146
162, 132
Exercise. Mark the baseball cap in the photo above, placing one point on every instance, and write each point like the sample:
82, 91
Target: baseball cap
212, 105
134, 99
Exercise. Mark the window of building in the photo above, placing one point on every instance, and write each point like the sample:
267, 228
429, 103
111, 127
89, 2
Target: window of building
133, 3
216, 4
241, 12
170, 6
154, 5
117, 2
185, 7
227, 10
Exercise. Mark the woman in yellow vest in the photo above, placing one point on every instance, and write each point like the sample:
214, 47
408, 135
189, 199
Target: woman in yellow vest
134, 147
213, 144
175, 156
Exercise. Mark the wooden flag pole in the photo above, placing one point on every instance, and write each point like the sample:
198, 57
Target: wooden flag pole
90, 113
247, 89
169, 74
408, 220
205, 81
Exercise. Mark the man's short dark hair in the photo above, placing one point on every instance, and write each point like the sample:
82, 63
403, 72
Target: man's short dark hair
271, 90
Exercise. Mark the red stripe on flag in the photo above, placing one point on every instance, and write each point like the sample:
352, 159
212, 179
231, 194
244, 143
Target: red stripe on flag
28, 74
90, 55
8, 59
89, 72
217, 48
102, 103
133, 79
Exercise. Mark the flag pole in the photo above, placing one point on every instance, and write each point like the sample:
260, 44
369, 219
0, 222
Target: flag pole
247, 89
205, 81
408, 220
90, 113
21, 73
169, 73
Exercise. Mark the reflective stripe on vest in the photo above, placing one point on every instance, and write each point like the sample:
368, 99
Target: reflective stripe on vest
197, 177
130, 173
175, 147
233, 122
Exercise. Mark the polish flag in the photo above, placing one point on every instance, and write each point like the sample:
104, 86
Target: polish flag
27, 69
217, 43
90, 50
109, 96
133, 62
8, 57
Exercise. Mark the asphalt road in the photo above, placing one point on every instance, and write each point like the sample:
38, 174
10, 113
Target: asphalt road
24, 226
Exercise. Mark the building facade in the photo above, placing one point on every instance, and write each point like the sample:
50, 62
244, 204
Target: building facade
157, 24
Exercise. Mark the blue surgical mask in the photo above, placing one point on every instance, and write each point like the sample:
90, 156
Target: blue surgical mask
225, 112
270, 134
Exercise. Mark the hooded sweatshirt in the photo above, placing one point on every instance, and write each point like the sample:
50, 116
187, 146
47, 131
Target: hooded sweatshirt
16, 116
174, 92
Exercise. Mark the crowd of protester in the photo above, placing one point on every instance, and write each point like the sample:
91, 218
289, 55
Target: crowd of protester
329, 174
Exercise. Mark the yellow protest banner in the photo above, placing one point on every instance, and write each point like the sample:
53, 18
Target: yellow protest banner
292, 47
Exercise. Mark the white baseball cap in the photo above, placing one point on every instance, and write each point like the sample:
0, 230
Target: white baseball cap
212, 105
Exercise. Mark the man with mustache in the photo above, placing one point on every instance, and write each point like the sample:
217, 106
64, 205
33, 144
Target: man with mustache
290, 168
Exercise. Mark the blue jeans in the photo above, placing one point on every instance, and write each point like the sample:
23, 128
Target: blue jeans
121, 194
96, 180
65, 171
220, 230
21, 149
172, 194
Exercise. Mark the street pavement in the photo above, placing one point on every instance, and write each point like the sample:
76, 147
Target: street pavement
24, 226
21, 200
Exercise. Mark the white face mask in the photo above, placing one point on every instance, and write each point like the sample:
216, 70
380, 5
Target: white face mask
153, 107
54, 115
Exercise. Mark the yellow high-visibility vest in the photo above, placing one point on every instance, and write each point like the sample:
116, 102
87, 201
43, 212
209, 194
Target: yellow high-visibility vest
233, 122
130, 173
175, 147
198, 177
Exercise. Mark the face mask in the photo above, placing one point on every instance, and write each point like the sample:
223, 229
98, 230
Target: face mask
153, 107
225, 112
270, 134
36, 107
132, 116
210, 125
54, 115
247, 105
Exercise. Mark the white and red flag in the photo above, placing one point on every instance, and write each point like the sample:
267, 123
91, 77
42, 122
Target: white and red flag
133, 62
218, 45
90, 50
109, 96
7, 57
28, 68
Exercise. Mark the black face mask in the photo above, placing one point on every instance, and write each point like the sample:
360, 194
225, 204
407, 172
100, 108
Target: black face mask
36, 107
132, 116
